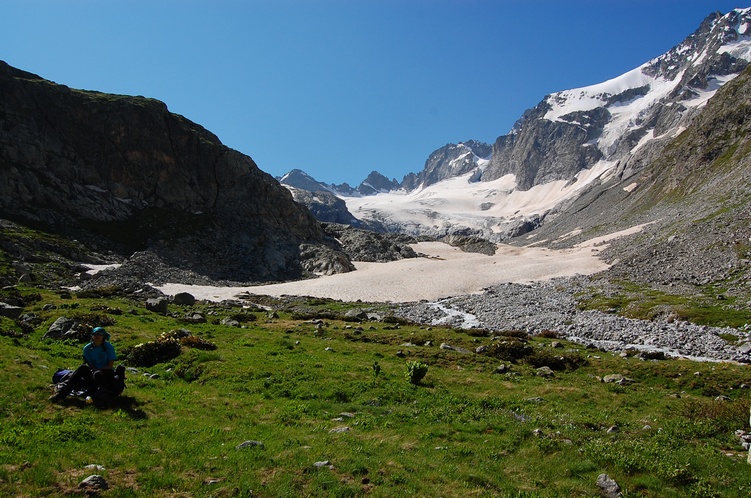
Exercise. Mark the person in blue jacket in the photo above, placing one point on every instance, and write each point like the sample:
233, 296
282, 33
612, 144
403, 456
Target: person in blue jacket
97, 373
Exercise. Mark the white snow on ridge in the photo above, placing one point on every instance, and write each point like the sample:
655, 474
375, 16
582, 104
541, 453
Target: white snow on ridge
594, 96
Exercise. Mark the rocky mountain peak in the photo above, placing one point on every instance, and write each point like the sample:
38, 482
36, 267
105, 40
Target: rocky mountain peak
375, 183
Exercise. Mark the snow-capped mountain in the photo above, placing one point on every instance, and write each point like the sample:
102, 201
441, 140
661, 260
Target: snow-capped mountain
570, 141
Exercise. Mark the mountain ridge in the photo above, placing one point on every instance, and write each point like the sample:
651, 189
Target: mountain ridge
571, 139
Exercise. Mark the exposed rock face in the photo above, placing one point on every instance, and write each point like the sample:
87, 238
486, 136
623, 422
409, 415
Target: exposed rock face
375, 183
541, 151
325, 206
299, 179
123, 172
572, 130
364, 245
328, 208
447, 162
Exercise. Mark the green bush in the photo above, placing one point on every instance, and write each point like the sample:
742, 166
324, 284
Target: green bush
509, 349
416, 371
148, 354
546, 358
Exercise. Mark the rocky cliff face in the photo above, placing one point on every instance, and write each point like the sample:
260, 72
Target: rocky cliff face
449, 161
123, 173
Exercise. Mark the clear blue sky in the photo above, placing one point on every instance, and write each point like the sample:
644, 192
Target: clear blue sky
339, 88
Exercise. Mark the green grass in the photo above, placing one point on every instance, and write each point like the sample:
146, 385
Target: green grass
709, 307
463, 430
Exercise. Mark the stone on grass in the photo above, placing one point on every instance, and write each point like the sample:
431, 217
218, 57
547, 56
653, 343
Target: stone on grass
608, 487
94, 482
250, 444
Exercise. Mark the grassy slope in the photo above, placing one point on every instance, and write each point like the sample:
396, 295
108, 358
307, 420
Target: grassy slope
464, 431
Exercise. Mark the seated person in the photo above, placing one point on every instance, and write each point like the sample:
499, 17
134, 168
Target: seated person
97, 373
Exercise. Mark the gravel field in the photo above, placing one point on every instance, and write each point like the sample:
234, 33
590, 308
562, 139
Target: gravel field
528, 288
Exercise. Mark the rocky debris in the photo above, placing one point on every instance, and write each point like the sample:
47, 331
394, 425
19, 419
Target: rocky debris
364, 245
471, 244
551, 306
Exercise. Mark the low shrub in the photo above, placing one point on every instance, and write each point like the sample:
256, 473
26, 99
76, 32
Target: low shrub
545, 358
416, 371
509, 349
148, 354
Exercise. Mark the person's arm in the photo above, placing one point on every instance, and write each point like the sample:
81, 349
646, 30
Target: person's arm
111, 356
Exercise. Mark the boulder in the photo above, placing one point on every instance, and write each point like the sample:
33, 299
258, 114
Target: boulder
184, 299
10, 311
59, 328
158, 305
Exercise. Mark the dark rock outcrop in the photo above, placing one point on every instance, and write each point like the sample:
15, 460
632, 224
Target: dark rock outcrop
123, 173
375, 183
328, 208
364, 245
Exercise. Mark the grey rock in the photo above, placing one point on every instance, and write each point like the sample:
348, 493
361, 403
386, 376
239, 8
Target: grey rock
60, 328
608, 487
617, 379
250, 444
449, 347
10, 311
158, 305
94, 482
338, 430
364, 245
230, 322
449, 161
544, 372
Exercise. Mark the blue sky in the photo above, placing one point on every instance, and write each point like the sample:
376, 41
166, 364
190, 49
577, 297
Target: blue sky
339, 88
